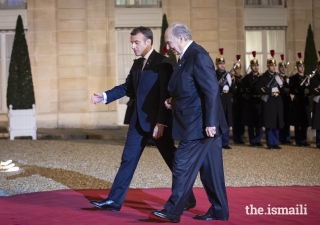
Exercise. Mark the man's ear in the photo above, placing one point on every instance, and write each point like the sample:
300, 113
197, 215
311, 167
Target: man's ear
181, 39
148, 41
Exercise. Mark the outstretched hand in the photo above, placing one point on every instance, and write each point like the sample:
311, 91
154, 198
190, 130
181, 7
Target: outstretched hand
96, 98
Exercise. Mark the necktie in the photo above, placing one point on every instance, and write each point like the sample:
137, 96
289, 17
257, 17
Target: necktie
140, 67
142, 63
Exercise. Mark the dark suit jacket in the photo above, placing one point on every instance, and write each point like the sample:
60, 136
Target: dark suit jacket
150, 89
195, 95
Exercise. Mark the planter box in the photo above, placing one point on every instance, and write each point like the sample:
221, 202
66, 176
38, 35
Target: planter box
22, 122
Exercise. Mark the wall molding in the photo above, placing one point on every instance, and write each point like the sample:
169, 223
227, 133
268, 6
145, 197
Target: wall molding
8, 18
265, 17
130, 17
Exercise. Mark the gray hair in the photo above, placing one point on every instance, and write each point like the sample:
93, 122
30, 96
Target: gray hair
180, 30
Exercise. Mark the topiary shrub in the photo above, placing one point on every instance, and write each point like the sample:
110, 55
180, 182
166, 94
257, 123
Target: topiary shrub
20, 91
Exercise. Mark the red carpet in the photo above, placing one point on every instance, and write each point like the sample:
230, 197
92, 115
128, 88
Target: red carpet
73, 207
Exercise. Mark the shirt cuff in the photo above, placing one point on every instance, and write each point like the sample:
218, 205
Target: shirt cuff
104, 98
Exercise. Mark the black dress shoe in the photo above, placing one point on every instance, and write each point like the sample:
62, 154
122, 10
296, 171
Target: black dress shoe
239, 142
166, 215
259, 144
305, 144
189, 205
252, 145
270, 147
226, 147
150, 142
276, 147
106, 204
207, 216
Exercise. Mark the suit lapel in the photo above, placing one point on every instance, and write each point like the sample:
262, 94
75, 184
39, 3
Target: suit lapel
181, 64
185, 56
137, 72
150, 60
139, 65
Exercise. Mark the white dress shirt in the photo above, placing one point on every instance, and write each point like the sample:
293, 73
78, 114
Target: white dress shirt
185, 49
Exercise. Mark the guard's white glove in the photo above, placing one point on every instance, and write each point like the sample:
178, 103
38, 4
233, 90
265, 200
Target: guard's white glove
316, 99
226, 88
229, 79
279, 81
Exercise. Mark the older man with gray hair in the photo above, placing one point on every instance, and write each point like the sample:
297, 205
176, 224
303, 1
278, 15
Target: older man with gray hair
198, 123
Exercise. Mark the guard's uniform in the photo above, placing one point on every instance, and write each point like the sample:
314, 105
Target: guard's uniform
227, 89
301, 115
270, 86
237, 108
315, 90
284, 133
251, 116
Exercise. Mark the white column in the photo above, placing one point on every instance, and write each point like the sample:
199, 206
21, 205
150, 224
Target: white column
3, 73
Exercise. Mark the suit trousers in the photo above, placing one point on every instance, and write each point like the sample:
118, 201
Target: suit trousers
225, 138
204, 155
226, 135
135, 144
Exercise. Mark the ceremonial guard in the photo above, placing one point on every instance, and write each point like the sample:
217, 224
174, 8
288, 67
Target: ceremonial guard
300, 110
270, 86
252, 104
284, 133
315, 90
237, 105
227, 88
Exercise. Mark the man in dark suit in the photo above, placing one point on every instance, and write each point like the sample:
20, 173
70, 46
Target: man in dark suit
198, 123
147, 80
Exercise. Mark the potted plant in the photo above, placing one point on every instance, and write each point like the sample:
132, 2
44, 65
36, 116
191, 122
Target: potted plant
20, 93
